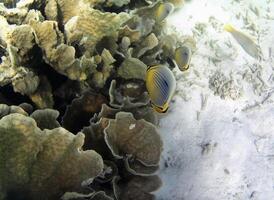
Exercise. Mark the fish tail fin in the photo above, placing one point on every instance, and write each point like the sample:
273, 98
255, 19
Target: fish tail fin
229, 28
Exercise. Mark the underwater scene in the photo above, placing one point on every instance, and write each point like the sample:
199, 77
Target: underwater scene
136, 99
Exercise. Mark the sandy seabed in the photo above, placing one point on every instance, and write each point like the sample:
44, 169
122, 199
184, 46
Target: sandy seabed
219, 133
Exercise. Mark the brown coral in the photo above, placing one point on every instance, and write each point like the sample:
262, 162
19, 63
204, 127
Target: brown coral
40, 161
126, 136
80, 63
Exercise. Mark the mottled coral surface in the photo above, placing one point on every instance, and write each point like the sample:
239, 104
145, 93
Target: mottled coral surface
75, 117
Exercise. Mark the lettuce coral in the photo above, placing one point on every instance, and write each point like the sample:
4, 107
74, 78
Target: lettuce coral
72, 77
40, 161
127, 137
137, 188
6, 110
46, 119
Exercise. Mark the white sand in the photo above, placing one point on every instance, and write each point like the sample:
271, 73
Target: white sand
222, 148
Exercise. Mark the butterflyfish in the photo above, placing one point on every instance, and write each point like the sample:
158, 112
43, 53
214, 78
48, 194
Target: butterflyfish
161, 85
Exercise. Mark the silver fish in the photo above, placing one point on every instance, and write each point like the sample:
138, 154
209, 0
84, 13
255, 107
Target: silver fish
246, 42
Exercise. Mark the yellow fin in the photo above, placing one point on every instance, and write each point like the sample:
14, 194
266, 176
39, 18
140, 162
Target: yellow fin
229, 28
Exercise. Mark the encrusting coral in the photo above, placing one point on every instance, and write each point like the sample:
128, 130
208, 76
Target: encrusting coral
75, 117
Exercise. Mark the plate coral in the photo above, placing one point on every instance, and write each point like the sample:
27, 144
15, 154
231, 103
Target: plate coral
75, 117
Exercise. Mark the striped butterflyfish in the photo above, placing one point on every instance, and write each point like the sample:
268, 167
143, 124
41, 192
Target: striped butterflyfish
161, 85
163, 10
183, 57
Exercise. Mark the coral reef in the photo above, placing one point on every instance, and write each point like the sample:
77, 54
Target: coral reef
75, 118
39, 161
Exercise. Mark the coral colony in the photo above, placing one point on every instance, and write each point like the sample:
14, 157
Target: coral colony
75, 117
